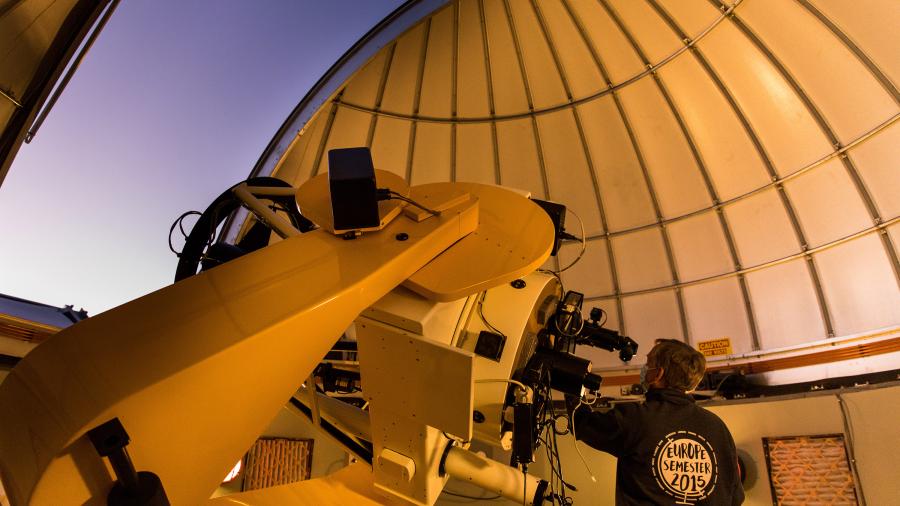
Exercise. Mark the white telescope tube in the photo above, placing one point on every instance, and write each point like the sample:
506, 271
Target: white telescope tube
493, 476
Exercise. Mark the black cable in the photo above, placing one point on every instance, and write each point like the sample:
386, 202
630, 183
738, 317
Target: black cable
481, 315
464, 496
178, 222
387, 193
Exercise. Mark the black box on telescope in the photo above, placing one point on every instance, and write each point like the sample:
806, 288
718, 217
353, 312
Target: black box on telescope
557, 213
351, 176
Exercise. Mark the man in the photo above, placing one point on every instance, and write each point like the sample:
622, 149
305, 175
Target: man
669, 450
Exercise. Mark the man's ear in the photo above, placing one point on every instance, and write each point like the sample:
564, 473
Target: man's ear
659, 377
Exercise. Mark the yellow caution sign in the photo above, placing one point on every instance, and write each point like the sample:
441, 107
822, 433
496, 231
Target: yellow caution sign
715, 347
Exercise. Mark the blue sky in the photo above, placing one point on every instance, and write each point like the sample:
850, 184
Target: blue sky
175, 102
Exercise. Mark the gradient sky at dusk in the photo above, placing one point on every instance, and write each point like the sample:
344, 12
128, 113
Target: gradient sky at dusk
174, 103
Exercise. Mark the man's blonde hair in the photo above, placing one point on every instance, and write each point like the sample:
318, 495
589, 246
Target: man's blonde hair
682, 365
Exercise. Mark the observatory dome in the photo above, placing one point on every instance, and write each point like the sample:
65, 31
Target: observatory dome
734, 164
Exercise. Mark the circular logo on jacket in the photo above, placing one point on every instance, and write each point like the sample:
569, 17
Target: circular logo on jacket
684, 465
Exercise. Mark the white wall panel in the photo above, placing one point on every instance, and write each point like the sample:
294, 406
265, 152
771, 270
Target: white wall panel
827, 203
506, 71
543, 77
784, 303
592, 275
649, 317
431, 155
475, 155
676, 179
625, 196
641, 260
878, 162
656, 39
762, 229
519, 163
471, 74
390, 146
872, 25
787, 131
616, 53
400, 90
840, 86
733, 163
568, 174
865, 296
700, 247
716, 310
437, 75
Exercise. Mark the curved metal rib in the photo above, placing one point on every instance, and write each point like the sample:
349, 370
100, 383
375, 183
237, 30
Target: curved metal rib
880, 229
826, 129
417, 100
670, 256
382, 84
611, 88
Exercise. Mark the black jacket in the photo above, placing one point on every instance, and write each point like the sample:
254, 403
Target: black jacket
669, 450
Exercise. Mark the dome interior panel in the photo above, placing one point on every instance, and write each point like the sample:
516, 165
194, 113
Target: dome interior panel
431, 154
641, 260
583, 76
733, 163
403, 75
665, 323
471, 73
475, 156
7, 108
700, 247
551, 264
675, 178
568, 174
349, 129
717, 310
362, 89
506, 71
520, 166
894, 235
762, 229
865, 297
785, 306
785, 128
616, 54
543, 77
878, 162
436, 95
848, 95
693, 16
872, 26
827, 203
655, 39
390, 145
298, 163
776, 114
610, 310
22, 39
591, 275
626, 199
